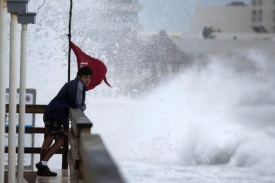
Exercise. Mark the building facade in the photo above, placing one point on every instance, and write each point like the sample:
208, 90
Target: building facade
237, 19
225, 18
263, 16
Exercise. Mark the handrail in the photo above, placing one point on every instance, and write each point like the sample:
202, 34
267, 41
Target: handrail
79, 124
98, 166
29, 108
88, 158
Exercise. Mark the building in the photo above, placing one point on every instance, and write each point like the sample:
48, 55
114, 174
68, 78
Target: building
225, 18
236, 20
263, 16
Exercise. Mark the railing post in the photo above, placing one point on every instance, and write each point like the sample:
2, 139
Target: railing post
65, 153
79, 124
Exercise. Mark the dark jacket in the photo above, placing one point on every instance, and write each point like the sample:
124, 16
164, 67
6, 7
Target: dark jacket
58, 108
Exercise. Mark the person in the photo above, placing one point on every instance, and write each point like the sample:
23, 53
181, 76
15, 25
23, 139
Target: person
56, 117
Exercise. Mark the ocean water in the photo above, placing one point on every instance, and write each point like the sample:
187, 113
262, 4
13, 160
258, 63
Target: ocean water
211, 123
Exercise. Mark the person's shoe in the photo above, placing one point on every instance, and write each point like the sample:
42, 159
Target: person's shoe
44, 170
46, 173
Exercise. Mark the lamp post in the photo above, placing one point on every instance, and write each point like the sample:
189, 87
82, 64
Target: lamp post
3, 59
14, 7
24, 19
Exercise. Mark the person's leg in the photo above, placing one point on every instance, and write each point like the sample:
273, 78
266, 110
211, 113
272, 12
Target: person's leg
45, 147
53, 149
47, 153
53, 131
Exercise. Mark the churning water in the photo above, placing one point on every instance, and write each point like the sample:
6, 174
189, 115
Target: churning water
212, 123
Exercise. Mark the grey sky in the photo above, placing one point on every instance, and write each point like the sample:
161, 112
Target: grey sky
172, 15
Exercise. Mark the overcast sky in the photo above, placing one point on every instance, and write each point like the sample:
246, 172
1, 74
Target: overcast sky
172, 15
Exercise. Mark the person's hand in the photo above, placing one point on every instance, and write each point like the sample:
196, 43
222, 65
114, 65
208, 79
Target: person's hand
83, 107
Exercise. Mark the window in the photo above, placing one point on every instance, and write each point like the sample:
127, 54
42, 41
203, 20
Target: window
260, 15
254, 2
274, 15
260, 2
253, 16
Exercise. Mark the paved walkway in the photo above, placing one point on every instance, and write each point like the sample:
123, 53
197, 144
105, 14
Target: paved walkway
62, 177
